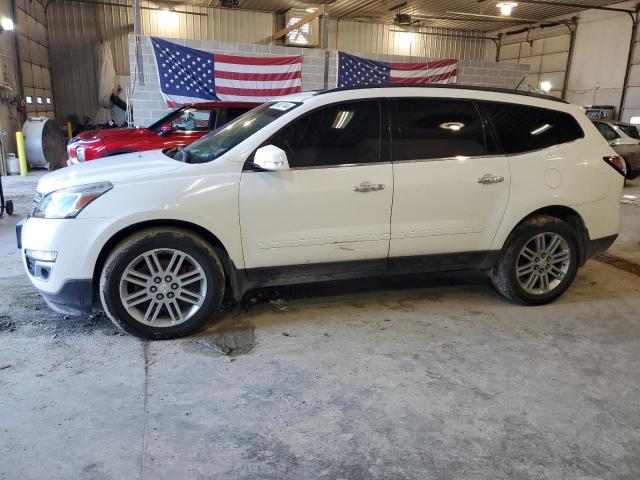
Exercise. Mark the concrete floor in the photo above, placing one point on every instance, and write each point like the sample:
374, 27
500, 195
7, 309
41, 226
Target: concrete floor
436, 378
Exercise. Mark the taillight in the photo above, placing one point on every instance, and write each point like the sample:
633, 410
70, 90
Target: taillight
618, 163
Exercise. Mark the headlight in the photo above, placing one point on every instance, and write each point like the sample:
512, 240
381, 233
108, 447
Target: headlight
69, 202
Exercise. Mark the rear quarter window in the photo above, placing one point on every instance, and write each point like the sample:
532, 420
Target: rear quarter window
521, 128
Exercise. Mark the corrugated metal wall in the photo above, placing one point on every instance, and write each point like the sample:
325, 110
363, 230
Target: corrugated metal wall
34, 57
547, 57
76, 28
202, 24
360, 37
72, 41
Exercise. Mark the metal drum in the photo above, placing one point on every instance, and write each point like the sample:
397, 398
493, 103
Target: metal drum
44, 143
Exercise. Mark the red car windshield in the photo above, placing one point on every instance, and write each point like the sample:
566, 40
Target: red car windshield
220, 141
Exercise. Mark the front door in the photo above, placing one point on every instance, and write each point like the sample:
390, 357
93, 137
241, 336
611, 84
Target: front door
451, 188
330, 212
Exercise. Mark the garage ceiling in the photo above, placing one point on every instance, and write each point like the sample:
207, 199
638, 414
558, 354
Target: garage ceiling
385, 10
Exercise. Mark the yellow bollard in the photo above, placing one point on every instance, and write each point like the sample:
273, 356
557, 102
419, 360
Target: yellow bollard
22, 157
69, 131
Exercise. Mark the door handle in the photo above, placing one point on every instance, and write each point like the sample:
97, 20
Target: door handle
365, 187
488, 178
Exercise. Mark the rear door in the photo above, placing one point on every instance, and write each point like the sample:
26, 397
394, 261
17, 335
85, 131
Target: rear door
451, 186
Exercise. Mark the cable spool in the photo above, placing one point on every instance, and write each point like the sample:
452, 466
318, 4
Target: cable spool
44, 143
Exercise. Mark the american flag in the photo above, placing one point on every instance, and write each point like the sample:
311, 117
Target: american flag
354, 70
188, 75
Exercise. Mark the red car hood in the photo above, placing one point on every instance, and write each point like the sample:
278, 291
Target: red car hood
111, 132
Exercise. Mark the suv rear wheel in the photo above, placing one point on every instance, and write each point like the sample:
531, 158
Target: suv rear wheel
539, 262
162, 283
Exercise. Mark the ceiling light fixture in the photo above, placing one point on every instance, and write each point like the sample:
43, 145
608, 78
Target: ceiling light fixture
453, 126
167, 18
506, 8
404, 39
545, 86
311, 10
6, 24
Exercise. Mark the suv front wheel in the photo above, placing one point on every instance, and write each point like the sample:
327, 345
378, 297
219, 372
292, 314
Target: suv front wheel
162, 283
539, 262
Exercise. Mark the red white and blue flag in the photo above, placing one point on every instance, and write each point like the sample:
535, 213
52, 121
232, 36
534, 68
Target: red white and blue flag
188, 75
354, 70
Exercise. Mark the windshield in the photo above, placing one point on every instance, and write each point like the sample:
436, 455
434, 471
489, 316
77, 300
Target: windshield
630, 130
223, 139
165, 119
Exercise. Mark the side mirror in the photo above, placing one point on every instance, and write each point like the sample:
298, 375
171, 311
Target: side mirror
270, 158
165, 129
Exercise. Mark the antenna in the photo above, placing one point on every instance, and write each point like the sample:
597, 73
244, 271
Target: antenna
520, 82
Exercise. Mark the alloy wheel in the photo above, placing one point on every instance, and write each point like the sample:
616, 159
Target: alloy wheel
163, 287
543, 263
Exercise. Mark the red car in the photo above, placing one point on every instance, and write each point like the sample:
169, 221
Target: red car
179, 127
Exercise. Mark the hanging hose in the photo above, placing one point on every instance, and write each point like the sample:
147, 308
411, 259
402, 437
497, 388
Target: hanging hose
8, 206
1, 198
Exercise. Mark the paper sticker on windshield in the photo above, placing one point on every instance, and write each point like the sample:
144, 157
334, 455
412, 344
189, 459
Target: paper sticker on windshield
282, 106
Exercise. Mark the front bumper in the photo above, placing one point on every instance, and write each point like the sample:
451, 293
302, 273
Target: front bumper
19, 226
74, 298
78, 243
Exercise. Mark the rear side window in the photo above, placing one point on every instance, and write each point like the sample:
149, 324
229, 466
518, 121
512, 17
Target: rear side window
427, 128
337, 134
521, 128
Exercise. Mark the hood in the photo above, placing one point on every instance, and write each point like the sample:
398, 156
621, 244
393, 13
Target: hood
109, 132
117, 169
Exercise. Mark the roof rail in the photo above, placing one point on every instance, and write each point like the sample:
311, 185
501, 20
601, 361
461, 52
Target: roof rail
449, 86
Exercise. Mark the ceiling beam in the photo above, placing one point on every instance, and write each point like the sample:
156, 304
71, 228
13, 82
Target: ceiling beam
578, 5
460, 19
482, 17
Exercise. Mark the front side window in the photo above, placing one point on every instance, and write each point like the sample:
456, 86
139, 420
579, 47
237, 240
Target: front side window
220, 141
430, 128
338, 134
521, 128
191, 119
166, 119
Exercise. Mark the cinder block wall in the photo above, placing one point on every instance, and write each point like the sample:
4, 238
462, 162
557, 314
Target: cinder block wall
148, 104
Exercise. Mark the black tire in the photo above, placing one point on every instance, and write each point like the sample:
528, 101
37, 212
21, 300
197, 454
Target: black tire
153, 239
504, 276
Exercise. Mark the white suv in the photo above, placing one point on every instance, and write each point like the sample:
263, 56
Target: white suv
329, 185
